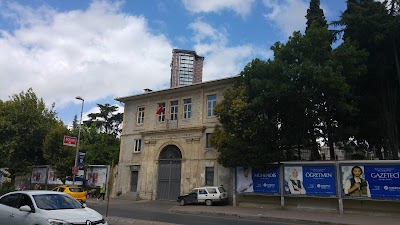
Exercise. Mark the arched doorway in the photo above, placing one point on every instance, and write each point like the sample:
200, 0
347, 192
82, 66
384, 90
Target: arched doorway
169, 173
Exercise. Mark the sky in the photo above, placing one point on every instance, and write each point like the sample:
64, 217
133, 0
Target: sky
102, 49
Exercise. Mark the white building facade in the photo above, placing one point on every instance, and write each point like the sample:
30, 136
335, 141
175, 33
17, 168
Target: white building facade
165, 148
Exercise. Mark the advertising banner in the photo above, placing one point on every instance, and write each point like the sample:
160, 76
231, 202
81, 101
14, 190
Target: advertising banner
266, 181
81, 159
98, 175
22, 182
371, 181
310, 180
69, 141
257, 181
244, 180
319, 180
39, 175
52, 178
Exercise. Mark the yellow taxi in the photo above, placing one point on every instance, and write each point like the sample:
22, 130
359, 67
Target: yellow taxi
75, 191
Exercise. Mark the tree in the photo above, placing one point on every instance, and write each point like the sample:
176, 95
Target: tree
24, 124
315, 15
61, 158
288, 102
101, 148
100, 135
107, 120
375, 27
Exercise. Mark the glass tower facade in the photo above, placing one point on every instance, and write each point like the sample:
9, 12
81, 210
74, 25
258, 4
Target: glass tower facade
186, 68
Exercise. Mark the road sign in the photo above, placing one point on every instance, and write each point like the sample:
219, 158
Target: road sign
69, 141
75, 170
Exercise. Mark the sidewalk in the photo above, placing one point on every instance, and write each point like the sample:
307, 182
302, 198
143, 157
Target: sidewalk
287, 215
257, 213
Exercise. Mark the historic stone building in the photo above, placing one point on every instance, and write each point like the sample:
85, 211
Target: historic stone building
165, 147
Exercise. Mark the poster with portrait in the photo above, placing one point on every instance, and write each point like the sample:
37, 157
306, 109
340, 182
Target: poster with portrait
38, 175
99, 175
310, 180
22, 183
266, 181
52, 177
294, 184
354, 182
244, 180
371, 181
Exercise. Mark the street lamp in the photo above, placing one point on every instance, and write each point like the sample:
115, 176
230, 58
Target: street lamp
79, 136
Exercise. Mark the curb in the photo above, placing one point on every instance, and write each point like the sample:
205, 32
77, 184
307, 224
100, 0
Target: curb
256, 217
124, 220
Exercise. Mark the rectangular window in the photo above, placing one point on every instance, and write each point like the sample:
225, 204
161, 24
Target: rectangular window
209, 176
140, 115
138, 145
174, 110
211, 102
161, 112
208, 140
187, 108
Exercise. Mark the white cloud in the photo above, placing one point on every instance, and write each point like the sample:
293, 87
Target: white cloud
287, 15
241, 7
220, 59
95, 53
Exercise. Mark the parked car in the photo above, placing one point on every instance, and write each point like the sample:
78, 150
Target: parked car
75, 191
45, 207
207, 195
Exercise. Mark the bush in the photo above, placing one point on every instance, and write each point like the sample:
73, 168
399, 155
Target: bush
6, 187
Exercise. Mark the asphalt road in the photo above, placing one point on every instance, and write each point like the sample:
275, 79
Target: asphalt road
158, 211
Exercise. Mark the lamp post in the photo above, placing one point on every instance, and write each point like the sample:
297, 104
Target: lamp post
79, 136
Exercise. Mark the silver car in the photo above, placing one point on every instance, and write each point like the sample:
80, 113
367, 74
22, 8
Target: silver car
45, 207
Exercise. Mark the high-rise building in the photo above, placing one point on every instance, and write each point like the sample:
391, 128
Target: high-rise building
186, 67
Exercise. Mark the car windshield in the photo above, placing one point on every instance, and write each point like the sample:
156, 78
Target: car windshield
56, 201
76, 189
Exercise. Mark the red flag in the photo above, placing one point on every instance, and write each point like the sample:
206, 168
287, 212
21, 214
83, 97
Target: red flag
160, 110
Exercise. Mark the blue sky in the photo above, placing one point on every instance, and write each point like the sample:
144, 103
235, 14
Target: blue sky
101, 50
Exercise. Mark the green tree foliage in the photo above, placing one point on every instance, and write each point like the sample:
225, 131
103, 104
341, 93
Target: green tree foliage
100, 135
375, 27
24, 124
285, 104
315, 15
101, 148
61, 158
107, 120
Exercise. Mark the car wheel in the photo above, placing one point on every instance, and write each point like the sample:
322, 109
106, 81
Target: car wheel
182, 202
208, 202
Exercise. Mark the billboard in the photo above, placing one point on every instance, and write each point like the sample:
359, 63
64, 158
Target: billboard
257, 181
310, 180
97, 175
266, 181
69, 141
52, 178
371, 181
38, 175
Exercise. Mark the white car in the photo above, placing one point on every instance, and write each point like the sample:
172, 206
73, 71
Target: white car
45, 207
207, 195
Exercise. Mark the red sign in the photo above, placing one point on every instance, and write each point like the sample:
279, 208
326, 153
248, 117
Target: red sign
69, 141
75, 170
